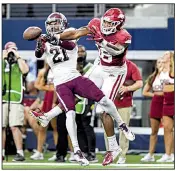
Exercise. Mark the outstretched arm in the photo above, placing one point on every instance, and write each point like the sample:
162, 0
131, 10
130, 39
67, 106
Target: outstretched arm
73, 34
116, 49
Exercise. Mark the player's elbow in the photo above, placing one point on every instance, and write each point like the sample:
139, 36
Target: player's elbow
68, 45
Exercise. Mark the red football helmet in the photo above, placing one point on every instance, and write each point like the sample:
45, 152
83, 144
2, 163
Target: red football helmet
10, 45
112, 20
56, 23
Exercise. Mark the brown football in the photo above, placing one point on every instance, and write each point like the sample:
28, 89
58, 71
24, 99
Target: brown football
32, 33
129, 82
126, 83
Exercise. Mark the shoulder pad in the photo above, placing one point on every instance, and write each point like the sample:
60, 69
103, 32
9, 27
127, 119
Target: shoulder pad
123, 37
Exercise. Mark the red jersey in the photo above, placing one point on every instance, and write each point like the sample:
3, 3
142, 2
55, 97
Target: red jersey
133, 73
121, 37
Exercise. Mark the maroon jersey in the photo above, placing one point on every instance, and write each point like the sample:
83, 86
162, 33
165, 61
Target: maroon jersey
120, 37
134, 74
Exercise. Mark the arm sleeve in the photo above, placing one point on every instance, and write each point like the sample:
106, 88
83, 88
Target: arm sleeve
68, 45
112, 49
97, 61
39, 51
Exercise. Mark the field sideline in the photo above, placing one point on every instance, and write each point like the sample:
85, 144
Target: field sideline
77, 166
133, 162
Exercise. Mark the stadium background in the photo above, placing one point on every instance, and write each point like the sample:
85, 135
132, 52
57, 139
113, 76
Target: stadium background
152, 30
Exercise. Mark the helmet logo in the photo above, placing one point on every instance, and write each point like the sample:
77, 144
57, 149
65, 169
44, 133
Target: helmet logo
121, 16
107, 19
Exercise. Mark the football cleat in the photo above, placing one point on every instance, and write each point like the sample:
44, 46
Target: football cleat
79, 157
40, 117
127, 132
111, 156
72, 158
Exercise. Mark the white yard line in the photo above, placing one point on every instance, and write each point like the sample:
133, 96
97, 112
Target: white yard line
92, 164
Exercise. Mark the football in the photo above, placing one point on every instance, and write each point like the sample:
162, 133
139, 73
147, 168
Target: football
32, 33
129, 82
126, 83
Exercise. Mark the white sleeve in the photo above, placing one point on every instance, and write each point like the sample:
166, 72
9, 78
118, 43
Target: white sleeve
97, 61
112, 51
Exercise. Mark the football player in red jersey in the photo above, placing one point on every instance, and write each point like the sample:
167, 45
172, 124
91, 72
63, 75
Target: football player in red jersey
112, 42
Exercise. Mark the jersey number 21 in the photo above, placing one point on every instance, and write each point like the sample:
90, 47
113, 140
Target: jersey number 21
56, 58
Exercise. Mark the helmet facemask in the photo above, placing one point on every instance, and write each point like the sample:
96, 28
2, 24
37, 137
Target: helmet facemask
108, 27
55, 26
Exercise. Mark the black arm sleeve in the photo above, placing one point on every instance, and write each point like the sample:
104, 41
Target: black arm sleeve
39, 52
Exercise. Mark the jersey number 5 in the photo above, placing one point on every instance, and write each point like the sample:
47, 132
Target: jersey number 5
56, 58
106, 57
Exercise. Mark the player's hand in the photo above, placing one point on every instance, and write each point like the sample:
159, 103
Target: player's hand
52, 39
40, 43
95, 38
123, 90
95, 34
43, 37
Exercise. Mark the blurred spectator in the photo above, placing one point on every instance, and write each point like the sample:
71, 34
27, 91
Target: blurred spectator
13, 111
168, 107
4, 9
44, 82
31, 76
154, 88
30, 101
124, 103
83, 9
80, 11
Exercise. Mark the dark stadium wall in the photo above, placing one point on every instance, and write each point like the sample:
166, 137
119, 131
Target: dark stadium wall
143, 39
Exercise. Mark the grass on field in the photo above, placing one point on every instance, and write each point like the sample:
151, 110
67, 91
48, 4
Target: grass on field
133, 162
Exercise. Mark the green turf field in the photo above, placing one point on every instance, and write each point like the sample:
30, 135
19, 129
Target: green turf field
133, 162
